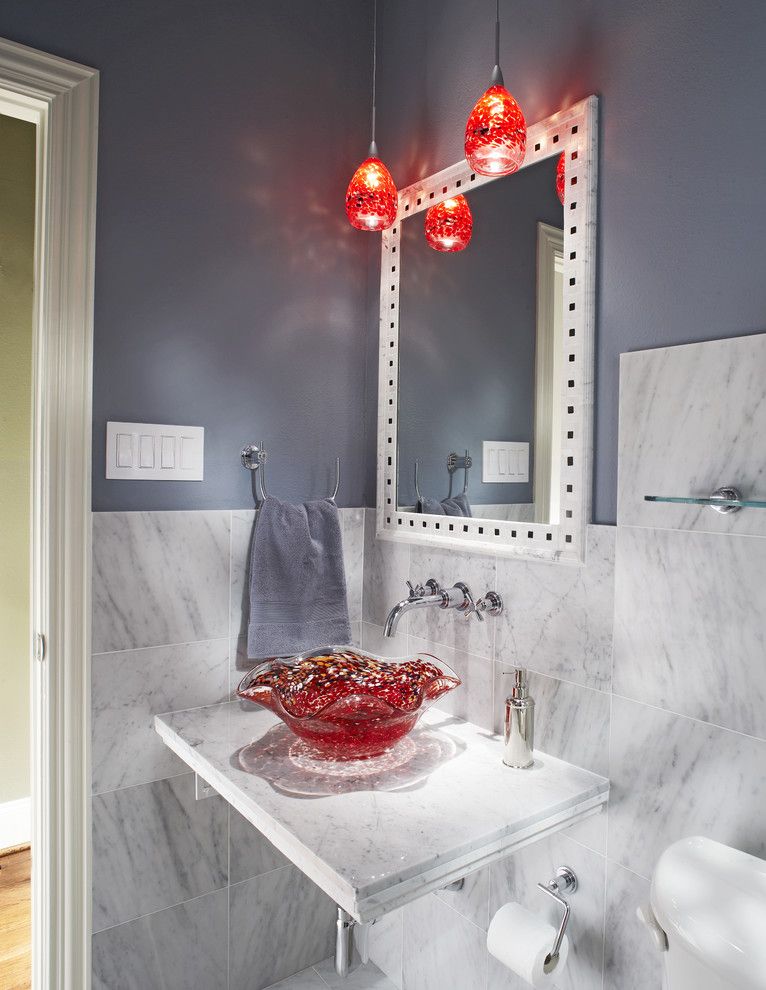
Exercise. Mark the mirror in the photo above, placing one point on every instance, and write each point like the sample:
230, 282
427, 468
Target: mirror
478, 332
486, 355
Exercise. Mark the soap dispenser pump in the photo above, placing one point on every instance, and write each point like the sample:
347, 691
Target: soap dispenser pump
519, 724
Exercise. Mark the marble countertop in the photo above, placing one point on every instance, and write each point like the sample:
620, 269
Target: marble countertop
379, 833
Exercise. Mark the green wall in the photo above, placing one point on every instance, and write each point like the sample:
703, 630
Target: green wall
17, 211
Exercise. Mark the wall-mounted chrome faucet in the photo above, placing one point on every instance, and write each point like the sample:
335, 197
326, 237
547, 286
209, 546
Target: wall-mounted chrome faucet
431, 594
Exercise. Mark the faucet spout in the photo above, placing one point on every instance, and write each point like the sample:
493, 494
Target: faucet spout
431, 594
406, 605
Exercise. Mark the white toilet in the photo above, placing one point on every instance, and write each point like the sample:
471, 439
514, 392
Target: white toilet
708, 916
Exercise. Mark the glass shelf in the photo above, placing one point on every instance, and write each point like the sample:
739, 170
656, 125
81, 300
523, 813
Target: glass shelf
713, 501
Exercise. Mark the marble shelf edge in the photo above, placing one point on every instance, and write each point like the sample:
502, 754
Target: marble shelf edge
377, 903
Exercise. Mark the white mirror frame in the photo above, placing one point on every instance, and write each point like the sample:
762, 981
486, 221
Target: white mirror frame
574, 131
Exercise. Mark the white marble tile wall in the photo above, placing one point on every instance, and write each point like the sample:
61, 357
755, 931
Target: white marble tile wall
185, 893
647, 664
693, 418
558, 623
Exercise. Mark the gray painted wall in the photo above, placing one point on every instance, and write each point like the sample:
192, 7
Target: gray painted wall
467, 337
682, 198
230, 289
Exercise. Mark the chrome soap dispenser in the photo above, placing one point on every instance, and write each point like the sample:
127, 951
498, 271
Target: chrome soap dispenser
519, 724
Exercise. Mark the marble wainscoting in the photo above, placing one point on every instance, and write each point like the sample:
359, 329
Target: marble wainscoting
185, 893
693, 418
688, 739
646, 665
558, 623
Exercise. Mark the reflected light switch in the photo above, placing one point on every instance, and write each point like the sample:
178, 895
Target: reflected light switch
504, 461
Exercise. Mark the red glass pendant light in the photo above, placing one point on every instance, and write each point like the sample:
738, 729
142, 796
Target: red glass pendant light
560, 176
496, 132
449, 225
371, 197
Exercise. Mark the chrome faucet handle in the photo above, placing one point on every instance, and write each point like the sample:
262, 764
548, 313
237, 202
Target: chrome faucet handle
433, 587
416, 591
468, 606
491, 603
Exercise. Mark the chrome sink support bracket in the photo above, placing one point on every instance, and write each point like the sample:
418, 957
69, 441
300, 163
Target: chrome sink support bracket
202, 789
349, 934
343, 929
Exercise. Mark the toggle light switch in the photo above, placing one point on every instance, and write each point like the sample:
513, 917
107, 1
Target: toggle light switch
146, 451
124, 450
168, 452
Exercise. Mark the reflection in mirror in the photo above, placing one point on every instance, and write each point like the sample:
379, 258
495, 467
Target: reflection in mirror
480, 357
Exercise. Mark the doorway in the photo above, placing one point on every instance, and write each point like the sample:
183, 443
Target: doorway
59, 100
17, 253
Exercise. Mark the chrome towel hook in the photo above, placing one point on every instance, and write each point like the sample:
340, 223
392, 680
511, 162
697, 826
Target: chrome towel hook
254, 457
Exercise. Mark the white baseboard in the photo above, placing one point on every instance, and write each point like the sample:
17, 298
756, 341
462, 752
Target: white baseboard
15, 823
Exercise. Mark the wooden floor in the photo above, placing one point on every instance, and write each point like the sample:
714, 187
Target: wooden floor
15, 942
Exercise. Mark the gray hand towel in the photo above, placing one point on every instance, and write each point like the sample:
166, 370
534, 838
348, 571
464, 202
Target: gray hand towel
457, 506
297, 580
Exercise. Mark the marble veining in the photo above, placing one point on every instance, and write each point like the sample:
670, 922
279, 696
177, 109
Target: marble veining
673, 776
159, 578
441, 948
242, 529
323, 976
386, 569
279, 924
558, 619
375, 845
386, 945
473, 700
154, 845
472, 902
446, 626
352, 522
129, 688
630, 959
692, 418
367, 977
181, 947
687, 631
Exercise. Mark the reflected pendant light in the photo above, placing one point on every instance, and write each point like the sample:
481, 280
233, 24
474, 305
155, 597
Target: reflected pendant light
560, 176
371, 197
449, 225
496, 132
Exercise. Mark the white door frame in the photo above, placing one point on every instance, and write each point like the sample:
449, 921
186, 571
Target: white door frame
61, 98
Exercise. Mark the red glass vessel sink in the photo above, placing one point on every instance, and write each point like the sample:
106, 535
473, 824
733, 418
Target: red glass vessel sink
348, 704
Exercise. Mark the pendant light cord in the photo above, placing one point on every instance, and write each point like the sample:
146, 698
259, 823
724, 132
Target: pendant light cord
497, 33
497, 75
373, 146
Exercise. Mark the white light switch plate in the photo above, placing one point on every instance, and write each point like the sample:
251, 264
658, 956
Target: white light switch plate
152, 452
504, 461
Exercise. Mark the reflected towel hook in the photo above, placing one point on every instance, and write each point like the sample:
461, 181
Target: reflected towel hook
417, 485
453, 463
254, 457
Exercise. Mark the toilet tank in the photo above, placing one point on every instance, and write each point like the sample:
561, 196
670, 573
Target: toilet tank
710, 900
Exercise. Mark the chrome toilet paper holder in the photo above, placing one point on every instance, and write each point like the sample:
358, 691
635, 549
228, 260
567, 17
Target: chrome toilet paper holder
564, 882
